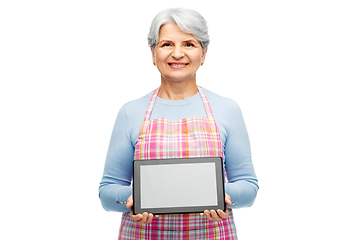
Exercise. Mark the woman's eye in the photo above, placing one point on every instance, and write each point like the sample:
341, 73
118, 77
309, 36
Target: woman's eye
166, 45
189, 45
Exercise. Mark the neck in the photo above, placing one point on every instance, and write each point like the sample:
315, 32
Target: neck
177, 90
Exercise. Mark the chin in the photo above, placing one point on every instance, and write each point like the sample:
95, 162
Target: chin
178, 78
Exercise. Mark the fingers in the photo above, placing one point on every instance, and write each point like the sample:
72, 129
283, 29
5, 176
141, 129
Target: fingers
149, 218
136, 217
215, 215
206, 213
144, 218
211, 215
223, 214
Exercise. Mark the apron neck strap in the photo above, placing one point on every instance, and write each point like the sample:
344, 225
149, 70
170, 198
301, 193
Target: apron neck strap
206, 103
203, 97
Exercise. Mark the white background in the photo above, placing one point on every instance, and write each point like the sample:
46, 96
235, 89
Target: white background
66, 68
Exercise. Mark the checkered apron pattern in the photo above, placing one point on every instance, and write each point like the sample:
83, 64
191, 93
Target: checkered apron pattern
184, 138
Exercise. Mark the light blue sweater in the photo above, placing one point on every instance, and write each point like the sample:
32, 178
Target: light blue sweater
115, 186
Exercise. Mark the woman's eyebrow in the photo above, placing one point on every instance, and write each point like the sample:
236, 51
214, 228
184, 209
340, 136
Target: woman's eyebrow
187, 40
191, 40
164, 40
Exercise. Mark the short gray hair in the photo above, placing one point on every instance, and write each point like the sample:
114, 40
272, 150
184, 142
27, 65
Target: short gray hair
188, 20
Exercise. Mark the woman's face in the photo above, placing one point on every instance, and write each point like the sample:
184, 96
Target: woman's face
178, 55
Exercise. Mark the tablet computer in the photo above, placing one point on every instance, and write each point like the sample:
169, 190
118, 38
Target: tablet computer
178, 185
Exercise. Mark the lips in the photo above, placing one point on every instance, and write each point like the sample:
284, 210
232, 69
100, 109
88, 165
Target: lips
177, 65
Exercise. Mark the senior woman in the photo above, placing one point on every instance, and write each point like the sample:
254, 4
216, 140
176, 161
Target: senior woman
184, 120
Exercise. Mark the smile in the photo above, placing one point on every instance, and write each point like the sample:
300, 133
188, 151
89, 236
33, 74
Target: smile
177, 65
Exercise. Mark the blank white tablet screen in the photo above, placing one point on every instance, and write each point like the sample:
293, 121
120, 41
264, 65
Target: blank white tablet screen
178, 185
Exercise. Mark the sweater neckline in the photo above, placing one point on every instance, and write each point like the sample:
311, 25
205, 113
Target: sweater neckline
177, 102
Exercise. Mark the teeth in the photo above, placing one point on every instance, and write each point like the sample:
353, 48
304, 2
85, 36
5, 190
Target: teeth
177, 65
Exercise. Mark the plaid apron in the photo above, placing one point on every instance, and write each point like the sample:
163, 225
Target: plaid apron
184, 138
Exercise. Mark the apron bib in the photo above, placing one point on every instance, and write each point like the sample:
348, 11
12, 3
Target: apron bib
183, 138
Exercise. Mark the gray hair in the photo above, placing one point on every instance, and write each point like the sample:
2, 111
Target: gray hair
188, 20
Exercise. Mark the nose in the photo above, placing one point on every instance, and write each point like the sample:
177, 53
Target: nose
177, 52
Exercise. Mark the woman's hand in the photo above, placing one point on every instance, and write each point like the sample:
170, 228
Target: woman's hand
219, 214
139, 218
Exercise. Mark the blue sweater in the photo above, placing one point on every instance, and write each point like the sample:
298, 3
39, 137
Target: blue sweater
115, 186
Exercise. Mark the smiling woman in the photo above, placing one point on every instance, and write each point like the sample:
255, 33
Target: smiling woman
178, 56
182, 120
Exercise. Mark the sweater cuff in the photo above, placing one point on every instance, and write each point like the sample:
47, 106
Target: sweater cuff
234, 194
122, 197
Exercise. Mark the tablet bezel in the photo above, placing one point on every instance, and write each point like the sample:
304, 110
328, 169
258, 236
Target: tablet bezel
219, 173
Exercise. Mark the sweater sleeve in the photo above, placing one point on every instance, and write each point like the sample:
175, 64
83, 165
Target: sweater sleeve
242, 185
115, 186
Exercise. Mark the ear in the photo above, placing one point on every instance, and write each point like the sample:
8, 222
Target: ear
203, 56
153, 55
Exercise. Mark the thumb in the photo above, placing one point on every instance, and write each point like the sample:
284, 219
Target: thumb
129, 203
227, 199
